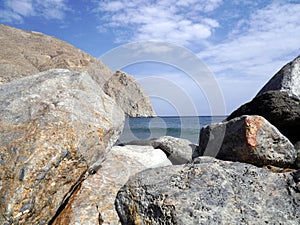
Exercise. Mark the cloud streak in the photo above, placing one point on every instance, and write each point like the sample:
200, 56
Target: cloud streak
264, 43
18, 10
181, 22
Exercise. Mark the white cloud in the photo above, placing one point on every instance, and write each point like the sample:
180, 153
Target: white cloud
181, 22
264, 43
17, 10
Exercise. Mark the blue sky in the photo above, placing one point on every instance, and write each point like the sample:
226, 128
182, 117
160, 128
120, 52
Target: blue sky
242, 42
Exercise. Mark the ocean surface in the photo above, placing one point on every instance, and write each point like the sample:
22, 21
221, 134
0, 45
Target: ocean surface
139, 129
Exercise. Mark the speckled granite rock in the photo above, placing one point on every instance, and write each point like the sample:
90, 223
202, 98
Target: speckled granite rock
94, 202
55, 129
210, 192
249, 139
129, 95
287, 79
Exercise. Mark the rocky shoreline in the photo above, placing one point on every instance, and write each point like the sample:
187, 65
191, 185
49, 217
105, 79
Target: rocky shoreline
62, 113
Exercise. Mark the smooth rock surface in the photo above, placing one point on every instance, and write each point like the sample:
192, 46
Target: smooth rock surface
129, 94
278, 108
249, 139
94, 202
287, 79
146, 155
210, 192
55, 128
178, 150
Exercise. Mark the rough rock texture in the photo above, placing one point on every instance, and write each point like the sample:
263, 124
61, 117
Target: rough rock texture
129, 95
287, 79
25, 53
55, 129
94, 202
210, 192
278, 108
178, 150
250, 139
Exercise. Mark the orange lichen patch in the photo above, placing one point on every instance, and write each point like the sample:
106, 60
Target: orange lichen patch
252, 126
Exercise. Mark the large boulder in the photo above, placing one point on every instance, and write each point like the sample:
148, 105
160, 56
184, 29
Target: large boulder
287, 80
94, 202
178, 150
278, 108
55, 129
24, 53
249, 139
129, 94
210, 192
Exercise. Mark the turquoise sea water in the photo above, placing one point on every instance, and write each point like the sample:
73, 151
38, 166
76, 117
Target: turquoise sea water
182, 127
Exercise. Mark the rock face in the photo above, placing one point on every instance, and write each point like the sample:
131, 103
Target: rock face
210, 192
94, 202
287, 79
25, 53
249, 139
178, 150
278, 108
129, 95
55, 129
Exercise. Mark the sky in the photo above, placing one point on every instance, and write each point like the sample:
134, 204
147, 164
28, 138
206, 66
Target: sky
240, 44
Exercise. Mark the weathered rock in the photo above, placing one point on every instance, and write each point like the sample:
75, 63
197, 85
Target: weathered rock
287, 80
25, 53
211, 192
178, 150
278, 108
94, 202
129, 95
55, 129
249, 139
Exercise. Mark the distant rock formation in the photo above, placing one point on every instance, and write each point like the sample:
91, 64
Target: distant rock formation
129, 94
24, 53
56, 129
287, 79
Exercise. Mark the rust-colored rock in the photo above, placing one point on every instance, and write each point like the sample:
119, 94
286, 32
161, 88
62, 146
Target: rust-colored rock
249, 139
55, 128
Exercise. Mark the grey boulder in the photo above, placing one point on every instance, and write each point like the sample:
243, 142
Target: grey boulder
178, 150
287, 80
249, 139
210, 192
56, 128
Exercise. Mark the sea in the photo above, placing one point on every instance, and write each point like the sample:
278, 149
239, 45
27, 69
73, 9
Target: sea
187, 127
